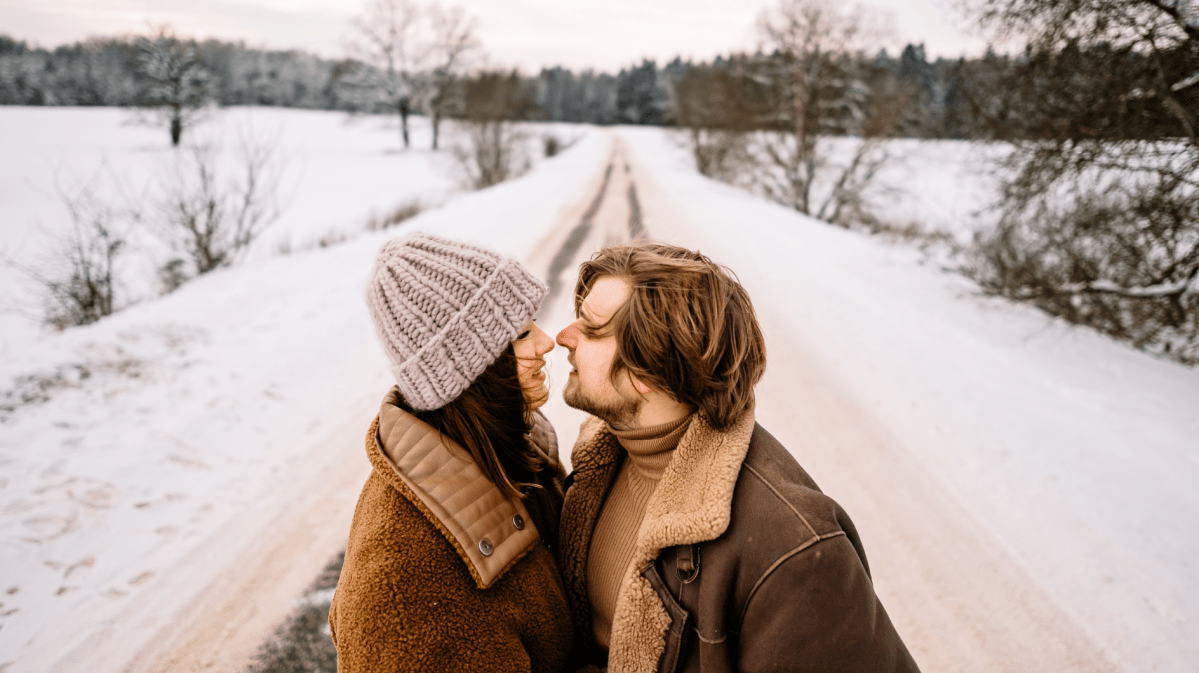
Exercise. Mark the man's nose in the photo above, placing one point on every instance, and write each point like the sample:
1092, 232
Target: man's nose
567, 337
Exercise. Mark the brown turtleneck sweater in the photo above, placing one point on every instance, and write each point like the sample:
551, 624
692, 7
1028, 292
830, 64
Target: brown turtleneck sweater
648, 452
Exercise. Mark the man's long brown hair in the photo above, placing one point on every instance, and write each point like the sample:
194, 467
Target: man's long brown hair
490, 420
688, 327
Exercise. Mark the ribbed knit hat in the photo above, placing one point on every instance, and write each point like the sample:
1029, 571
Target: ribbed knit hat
444, 312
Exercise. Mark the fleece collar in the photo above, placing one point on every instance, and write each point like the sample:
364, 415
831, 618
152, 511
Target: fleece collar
693, 503
442, 480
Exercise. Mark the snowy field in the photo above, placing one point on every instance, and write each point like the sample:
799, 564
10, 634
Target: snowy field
1077, 455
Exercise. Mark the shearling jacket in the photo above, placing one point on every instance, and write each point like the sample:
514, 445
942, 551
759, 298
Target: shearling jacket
740, 564
442, 571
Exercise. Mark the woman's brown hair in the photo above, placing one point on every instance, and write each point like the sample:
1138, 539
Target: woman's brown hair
688, 327
490, 420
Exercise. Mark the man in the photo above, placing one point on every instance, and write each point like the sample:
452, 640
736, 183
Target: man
691, 540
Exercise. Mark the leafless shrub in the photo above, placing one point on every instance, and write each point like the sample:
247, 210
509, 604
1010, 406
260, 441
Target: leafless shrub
493, 147
211, 217
399, 214
1119, 253
552, 145
78, 275
915, 233
172, 275
719, 154
331, 239
491, 153
813, 181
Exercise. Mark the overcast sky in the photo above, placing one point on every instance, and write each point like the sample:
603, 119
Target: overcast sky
601, 34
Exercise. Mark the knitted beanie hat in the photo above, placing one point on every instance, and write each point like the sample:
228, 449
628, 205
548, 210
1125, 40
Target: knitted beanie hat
444, 311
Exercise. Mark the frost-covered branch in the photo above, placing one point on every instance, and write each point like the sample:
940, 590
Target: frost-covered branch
1176, 288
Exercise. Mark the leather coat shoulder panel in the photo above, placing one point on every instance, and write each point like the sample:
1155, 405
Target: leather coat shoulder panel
778, 512
787, 572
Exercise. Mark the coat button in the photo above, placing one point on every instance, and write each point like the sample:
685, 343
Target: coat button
485, 547
518, 521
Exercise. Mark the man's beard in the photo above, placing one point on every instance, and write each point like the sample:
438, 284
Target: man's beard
619, 413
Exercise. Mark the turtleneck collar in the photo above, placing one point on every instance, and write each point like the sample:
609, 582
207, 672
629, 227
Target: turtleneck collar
650, 448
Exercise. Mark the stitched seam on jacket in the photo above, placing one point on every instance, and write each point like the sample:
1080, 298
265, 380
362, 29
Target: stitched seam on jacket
774, 566
475, 528
775, 491
405, 489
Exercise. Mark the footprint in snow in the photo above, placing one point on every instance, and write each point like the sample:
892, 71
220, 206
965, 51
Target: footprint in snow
82, 564
143, 578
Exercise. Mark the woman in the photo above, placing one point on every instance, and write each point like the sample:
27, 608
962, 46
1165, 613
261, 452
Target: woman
448, 565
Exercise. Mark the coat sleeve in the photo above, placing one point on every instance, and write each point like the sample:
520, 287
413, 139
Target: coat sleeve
816, 610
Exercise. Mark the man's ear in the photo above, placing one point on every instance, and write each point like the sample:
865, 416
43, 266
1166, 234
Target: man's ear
640, 387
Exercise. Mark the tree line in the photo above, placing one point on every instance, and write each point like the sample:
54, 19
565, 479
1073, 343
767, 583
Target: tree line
988, 97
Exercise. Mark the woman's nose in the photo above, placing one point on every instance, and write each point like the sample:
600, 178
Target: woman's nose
543, 343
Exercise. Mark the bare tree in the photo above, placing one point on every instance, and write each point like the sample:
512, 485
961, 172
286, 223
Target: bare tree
450, 51
392, 43
815, 67
175, 82
767, 120
1099, 207
713, 106
211, 217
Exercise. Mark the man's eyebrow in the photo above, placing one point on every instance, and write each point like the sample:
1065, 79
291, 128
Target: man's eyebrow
589, 321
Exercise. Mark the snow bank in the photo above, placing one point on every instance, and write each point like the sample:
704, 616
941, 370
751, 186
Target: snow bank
174, 416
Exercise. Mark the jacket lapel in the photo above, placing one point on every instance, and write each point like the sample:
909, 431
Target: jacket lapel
693, 503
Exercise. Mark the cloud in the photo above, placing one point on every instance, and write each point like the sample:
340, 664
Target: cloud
600, 34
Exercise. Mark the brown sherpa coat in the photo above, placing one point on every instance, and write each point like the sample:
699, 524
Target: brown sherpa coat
442, 571
740, 564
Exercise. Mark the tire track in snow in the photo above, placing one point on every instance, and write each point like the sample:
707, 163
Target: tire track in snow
636, 227
613, 215
570, 247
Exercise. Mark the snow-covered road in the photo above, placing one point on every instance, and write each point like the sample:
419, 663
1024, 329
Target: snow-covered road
1025, 490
